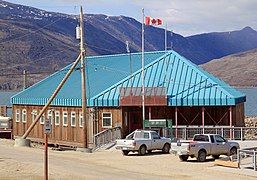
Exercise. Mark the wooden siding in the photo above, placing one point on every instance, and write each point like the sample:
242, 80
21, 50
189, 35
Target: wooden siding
67, 135
59, 132
116, 117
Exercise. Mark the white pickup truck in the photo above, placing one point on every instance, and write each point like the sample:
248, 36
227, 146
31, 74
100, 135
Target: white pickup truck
204, 145
143, 141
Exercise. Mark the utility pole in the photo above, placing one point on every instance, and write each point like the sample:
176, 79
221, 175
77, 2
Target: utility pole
83, 81
24, 79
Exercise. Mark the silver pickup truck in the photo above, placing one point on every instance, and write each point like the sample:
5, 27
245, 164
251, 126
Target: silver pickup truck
143, 141
204, 145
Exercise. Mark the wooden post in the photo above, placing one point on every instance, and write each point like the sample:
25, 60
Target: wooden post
230, 122
46, 158
83, 81
176, 121
203, 118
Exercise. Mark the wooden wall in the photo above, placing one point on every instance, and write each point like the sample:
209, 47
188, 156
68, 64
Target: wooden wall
66, 135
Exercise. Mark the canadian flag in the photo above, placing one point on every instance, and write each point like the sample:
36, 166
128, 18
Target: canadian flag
152, 21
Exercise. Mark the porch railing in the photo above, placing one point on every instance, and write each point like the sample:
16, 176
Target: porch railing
235, 133
107, 136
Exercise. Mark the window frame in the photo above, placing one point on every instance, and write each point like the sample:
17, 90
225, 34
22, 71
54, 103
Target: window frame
57, 114
50, 114
81, 122
73, 115
17, 114
64, 114
42, 118
33, 115
110, 126
24, 118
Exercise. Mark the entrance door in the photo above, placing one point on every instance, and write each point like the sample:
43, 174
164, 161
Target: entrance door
135, 120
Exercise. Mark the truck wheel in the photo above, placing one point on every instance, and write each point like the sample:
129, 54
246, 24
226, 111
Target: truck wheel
183, 157
233, 151
201, 156
142, 150
216, 156
166, 148
125, 152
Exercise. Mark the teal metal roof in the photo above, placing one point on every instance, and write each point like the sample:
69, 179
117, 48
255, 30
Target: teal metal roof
186, 84
102, 72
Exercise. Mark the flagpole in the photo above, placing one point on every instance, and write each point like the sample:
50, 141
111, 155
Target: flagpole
165, 38
143, 73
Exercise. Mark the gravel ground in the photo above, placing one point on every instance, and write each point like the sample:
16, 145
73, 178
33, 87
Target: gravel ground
27, 163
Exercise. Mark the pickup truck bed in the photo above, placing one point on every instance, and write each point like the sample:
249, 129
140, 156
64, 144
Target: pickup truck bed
204, 145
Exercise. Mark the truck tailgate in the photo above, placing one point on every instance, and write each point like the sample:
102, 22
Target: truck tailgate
181, 149
124, 143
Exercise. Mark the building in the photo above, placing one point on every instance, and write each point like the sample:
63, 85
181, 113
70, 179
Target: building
175, 88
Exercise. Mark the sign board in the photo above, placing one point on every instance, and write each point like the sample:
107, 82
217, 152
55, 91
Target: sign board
47, 127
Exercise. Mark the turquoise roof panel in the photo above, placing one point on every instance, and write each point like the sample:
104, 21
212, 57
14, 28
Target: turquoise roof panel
101, 73
186, 84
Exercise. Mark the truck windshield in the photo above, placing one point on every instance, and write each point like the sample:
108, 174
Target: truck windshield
201, 138
130, 136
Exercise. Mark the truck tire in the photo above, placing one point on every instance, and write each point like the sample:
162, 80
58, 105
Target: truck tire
233, 151
216, 156
166, 148
183, 157
142, 150
125, 152
201, 156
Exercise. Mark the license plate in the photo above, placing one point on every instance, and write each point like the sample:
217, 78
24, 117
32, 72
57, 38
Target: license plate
124, 148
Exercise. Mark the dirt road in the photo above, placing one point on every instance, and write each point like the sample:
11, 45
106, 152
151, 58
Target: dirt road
27, 163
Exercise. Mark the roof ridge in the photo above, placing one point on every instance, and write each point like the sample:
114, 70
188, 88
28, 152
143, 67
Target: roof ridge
133, 74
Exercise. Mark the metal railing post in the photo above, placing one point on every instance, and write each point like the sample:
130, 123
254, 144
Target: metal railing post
241, 132
254, 160
222, 132
238, 158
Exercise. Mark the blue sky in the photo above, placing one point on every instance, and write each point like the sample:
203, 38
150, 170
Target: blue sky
186, 17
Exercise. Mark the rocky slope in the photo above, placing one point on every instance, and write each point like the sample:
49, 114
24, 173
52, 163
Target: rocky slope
238, 69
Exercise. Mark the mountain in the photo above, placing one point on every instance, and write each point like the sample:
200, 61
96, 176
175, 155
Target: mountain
37, 40
238, 69
217, 45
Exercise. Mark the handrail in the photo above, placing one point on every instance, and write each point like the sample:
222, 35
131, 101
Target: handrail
107, 136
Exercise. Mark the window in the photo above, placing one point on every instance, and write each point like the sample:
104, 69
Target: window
146, 135
219, 139
42, 119
24, 115
73, 119
81, 122
50, 116
18, 115
57, 117
34, 115
203, 138
107, 120
65, 118
155, 135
